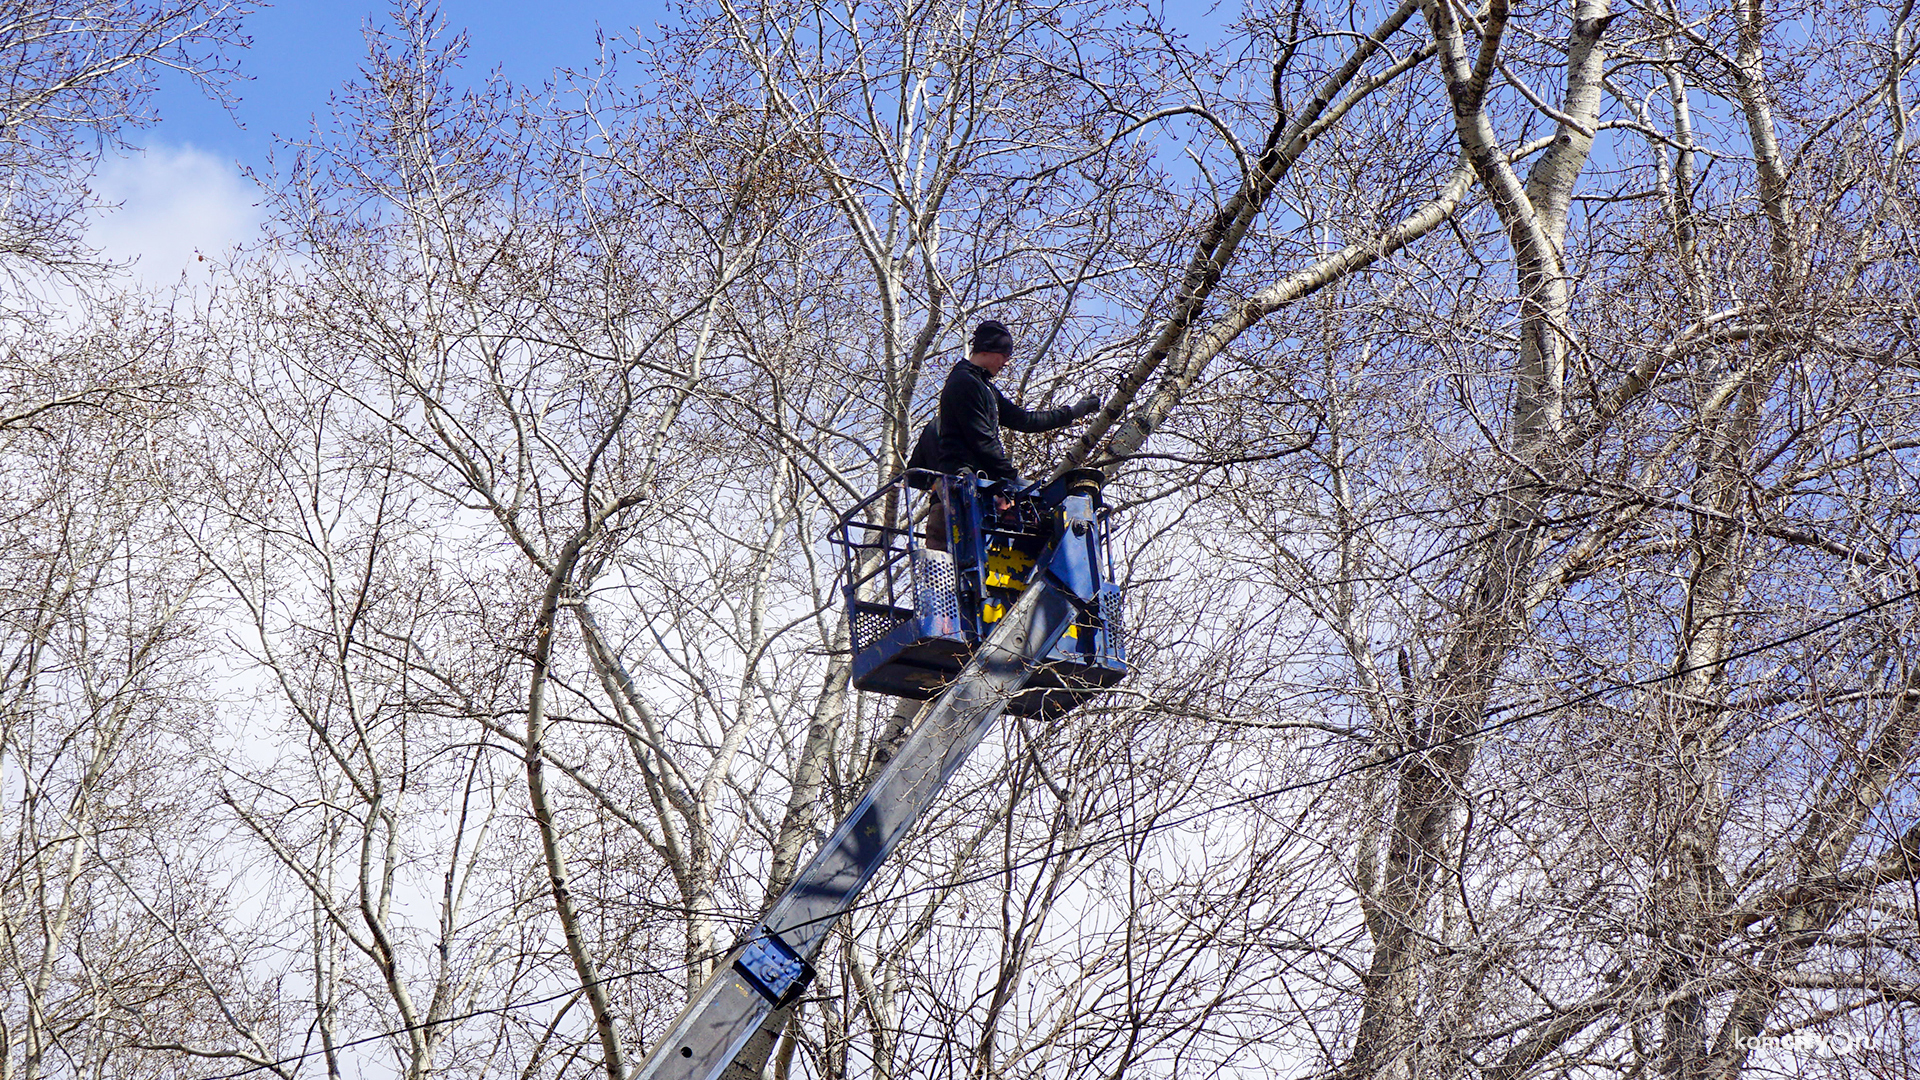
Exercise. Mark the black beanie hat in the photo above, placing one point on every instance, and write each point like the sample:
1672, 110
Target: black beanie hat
992, 336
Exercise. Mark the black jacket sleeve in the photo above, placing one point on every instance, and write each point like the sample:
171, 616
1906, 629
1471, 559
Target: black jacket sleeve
1021, 420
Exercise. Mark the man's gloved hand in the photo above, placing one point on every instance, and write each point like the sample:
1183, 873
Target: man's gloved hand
1086, 406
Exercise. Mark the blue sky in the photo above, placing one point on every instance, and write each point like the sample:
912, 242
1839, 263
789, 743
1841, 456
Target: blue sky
304, 50
183, 194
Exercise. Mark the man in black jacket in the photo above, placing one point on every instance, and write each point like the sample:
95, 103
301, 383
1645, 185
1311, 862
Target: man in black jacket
973, 410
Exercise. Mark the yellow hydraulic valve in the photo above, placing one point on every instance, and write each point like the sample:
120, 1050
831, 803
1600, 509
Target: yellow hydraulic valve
1007, 568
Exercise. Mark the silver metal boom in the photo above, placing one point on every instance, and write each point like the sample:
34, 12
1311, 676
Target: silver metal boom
773, 962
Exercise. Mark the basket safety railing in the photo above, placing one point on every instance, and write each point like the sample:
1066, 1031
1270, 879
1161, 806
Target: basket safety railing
879, 556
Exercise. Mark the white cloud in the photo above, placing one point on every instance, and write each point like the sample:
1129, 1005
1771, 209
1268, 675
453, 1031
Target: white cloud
176, 203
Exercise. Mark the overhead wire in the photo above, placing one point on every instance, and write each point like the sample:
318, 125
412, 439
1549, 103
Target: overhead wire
424, 1025
1156, 827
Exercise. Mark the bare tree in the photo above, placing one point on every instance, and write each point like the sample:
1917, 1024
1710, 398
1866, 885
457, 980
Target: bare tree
107, 892
78, 80
1510, 423
1655, 396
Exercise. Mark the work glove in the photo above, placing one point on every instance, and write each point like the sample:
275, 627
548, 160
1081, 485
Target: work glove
1086, 406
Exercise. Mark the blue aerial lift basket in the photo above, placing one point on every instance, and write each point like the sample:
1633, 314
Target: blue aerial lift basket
919, 612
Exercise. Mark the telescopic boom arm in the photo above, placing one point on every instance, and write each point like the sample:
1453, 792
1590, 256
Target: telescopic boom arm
774, 962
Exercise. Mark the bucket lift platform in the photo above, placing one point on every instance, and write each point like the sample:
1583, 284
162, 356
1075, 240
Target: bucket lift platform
921, 608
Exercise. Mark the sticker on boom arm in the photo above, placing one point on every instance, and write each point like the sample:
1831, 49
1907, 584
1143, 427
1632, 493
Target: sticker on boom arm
774, 969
